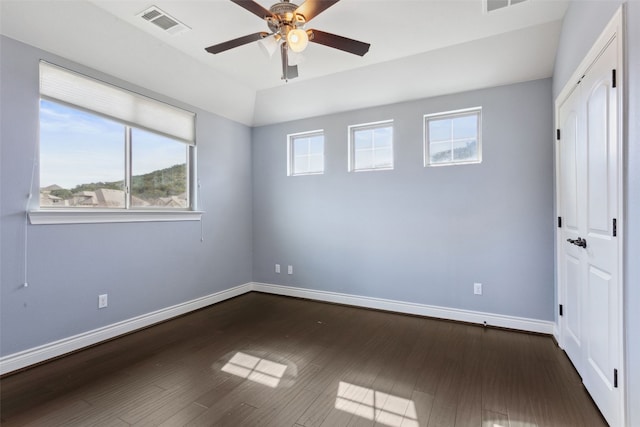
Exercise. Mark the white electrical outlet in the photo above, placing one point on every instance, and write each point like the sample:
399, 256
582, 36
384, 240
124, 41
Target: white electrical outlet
277, 268
290, 269
477, 288
102, 301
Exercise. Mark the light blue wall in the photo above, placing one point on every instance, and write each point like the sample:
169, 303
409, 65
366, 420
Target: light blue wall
416, 234
143, 267
583, 23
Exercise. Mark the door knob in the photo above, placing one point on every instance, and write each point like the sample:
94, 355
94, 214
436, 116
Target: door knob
578, 242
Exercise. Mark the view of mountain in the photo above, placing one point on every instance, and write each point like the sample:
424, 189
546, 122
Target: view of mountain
157, 188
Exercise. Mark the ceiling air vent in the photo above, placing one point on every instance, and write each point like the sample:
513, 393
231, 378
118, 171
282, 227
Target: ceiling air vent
491, 5
163, 20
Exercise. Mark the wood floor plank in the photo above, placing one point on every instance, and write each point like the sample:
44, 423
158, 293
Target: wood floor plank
306, 364
154, 411
218, 391
522, 372
95, 417
180, 418
495, 360
286, 405
57, 414
286, 413
423, 403
469, 408
429, 376
494, 419
231, 416
442, 416
315, 414
236, 416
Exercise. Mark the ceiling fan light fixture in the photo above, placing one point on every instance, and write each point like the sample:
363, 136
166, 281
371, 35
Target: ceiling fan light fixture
268, 45
297, 39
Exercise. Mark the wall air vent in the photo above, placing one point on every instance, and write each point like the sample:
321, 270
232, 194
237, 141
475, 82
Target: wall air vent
163, 20
491, 5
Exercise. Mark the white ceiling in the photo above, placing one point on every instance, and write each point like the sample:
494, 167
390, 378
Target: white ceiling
419, 48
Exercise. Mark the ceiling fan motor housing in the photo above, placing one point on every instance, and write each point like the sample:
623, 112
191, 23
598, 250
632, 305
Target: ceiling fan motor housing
286, 17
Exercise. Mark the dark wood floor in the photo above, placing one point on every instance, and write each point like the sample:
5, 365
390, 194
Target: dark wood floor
266, 360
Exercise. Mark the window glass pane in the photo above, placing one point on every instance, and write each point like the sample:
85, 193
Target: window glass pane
453, 137
316, 163
363, 139
301, 164
81, 159
316, 145
159, 171
372, 147
307, 154
439, 130
465, 127
440, 152
383, 158
301, 147
364, 159
382, 137
465, 150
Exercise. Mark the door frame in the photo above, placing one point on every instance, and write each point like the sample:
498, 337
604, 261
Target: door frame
613, 31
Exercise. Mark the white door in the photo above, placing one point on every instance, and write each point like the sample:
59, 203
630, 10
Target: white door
601, 299
569, 174
589, 254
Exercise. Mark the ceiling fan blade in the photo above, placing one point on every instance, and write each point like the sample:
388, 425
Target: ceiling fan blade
312, 8
217, 48
254, 8
288, 71
338, 42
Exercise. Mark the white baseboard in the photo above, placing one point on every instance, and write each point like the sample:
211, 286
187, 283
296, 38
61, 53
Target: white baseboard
58, 348
556, 333
511, 322
48, 351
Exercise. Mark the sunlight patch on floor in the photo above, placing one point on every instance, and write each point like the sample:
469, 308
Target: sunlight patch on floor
384, 408
256, 369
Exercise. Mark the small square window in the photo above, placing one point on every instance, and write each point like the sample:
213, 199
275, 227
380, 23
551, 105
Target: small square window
306, 153
453, 138
371, 146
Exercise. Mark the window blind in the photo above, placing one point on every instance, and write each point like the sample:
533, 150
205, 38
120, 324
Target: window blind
60, 84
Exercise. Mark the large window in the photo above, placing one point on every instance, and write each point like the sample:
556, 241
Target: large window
306, 153
118, 150
453, 138
371, 146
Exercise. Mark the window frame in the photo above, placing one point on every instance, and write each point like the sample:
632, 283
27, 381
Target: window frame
291, 152
351, 157
71, 215
426, 144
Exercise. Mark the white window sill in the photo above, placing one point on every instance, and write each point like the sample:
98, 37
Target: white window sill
93, 216
371, 169
437, 165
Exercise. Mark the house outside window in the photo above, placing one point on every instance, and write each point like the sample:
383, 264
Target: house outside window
453, 138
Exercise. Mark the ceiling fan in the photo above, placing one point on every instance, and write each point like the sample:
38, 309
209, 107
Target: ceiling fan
286, 23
